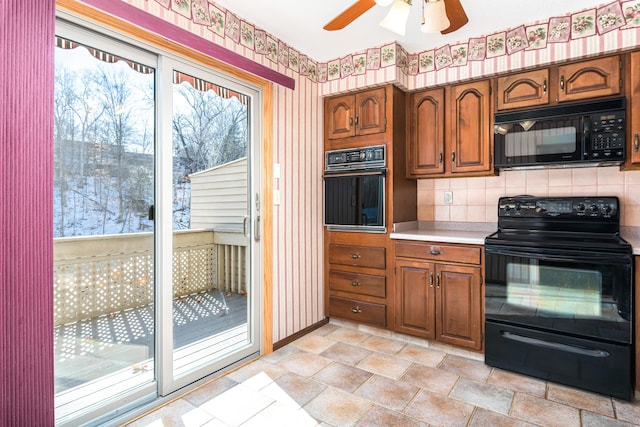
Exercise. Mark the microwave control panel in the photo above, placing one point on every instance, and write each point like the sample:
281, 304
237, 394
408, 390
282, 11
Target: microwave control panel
607, 135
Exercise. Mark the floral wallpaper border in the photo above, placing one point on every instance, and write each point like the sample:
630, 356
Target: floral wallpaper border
617, 15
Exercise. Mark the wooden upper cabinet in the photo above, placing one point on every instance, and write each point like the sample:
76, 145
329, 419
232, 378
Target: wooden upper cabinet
590, 79
357, 114
425, 153
469, 124
339, 117
370, 112
634, 114
523, 89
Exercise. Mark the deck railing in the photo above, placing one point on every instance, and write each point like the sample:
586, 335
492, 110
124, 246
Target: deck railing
101, 275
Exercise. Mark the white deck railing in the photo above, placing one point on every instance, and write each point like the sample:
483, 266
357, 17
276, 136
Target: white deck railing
100, 275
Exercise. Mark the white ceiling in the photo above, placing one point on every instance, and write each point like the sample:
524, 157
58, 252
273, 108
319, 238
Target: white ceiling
299, 23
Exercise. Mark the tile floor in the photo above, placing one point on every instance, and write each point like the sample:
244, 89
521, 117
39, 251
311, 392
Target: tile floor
344, 374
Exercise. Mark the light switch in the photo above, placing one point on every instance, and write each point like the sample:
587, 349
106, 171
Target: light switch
276, 197
276, 170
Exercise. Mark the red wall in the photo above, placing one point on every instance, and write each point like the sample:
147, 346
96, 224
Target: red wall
26, 238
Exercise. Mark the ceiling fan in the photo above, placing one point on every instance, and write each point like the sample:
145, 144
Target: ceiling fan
454, 12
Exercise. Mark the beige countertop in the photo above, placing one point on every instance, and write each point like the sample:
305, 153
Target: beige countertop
632, 235
474, 233
459, 232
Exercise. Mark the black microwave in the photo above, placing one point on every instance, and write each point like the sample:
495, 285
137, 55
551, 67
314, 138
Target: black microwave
589, 133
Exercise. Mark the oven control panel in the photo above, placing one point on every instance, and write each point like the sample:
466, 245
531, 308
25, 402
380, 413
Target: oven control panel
356, 158
583, 208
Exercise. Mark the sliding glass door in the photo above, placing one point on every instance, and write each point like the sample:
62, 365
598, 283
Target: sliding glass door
214, 305
103, 236
156, 207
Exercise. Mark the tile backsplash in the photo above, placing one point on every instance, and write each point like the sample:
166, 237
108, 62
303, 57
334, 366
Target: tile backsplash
476, 199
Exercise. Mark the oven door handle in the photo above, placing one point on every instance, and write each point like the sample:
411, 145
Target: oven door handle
578, 257
330, 174
585, 351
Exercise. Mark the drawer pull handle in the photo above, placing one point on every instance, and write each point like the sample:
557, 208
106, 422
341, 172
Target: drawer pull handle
431, 279
356, 310
434, 251
355, 256
355, 283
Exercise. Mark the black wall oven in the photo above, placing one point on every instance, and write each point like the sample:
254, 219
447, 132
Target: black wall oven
354, 189
559, 293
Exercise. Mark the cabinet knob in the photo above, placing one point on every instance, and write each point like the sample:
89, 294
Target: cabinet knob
636, 142
355, 283
356, 309
355, 256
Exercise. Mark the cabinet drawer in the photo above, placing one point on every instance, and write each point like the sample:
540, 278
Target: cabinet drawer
358, 311
359, 256
364, 284
437, 252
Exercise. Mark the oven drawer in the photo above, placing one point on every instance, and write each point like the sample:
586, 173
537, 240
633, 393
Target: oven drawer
358, 311
438, 252
358, 256
364, 284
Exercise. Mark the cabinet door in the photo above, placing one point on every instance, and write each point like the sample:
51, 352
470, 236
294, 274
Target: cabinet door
589, 79
426, 133
634, 126
470, 119
370, 112
339, 117
523, 89
459, 306
415, 298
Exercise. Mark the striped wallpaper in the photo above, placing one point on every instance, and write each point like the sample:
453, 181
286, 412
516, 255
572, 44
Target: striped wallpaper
298, 148
26, 217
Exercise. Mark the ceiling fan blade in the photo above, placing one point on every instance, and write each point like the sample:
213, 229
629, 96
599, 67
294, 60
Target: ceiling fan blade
456, 16
349, 15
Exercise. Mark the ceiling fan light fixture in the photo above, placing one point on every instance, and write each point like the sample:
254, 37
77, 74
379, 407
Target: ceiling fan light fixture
396, 19
435, 17
383, 3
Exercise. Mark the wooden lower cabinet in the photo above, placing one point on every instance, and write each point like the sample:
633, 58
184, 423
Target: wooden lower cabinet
356, 272
437, 299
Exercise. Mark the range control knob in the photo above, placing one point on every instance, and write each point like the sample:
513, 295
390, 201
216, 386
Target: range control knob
606, 209
594, 208
581, 207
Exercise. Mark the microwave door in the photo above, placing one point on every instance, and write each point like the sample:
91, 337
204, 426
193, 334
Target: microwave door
542, 141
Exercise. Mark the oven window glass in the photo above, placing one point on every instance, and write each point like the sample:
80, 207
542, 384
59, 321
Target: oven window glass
561, 292
555, 291
355, 200
525, 141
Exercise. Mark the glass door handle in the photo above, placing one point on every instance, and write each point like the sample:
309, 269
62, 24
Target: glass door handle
245, 225
257, 229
